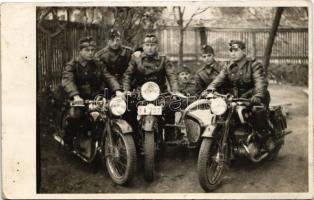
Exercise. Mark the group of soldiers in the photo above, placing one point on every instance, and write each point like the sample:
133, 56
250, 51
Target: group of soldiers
120, 69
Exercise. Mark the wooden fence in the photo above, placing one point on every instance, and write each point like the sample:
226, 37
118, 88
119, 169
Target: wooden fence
291, 45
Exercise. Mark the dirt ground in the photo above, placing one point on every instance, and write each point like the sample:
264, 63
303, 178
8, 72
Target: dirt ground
177, 172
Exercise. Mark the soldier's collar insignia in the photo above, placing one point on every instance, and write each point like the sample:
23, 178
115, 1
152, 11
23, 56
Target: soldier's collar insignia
122, 52
81, 60
155, 56
242, 62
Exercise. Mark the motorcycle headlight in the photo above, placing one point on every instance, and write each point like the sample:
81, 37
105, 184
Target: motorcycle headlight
218, 106
117, 106
150, 91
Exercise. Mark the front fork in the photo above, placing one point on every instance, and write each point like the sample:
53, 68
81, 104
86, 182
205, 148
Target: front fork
219, 132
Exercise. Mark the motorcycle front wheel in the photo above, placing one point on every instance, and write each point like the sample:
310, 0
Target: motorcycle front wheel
149, 155
120, 157
209, 168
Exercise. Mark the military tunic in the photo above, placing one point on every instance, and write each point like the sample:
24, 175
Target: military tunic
246, 79
115, 63
185, 88
143, 68
83, 78
204, 77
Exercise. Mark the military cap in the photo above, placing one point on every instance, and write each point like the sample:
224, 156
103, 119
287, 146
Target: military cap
114, 33
150, 38
86, 42
236, 44
183, 68
207, 49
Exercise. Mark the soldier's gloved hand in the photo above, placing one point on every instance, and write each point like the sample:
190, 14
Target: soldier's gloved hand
179, 94
77, 100
256, 100
204, 93
121, 94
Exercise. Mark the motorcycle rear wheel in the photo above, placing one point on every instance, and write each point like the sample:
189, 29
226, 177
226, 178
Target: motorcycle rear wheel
210, 173
149, 156
120, 160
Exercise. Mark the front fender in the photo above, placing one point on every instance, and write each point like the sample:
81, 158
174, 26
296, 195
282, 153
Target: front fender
148, 123
210, 130
123, 125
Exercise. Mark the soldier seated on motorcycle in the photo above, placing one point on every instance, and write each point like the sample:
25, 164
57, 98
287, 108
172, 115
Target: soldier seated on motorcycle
115, 58
244, 77
82, 78
149, 65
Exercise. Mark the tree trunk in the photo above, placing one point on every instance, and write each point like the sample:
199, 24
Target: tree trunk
180, 62
271, 37
203, 36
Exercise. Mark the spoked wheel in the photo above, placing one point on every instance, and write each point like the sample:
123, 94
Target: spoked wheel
62, 133
149, 156
120, 157
210, 166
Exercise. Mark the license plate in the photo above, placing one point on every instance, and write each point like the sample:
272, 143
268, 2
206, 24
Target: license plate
149, 110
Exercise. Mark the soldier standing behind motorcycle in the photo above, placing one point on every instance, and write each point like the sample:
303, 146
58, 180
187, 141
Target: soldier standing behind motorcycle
149, 65
82, 79
204, 76
244, 76
184, 79
115, 58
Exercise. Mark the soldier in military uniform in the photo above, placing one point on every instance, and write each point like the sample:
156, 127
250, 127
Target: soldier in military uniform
204, 76
184, 76
149, 65
82, 79
245, 76
115, 57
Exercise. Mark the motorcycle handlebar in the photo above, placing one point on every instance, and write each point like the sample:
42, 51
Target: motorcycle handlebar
241, 99
84, 103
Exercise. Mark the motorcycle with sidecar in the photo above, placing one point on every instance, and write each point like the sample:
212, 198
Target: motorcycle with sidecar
235, 128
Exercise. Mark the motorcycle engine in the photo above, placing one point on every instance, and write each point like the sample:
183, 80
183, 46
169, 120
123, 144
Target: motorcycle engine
241, 135
243, 147
253, 149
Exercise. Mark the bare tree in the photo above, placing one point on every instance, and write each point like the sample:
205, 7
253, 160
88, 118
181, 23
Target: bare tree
133, 22
179, 18
271, 37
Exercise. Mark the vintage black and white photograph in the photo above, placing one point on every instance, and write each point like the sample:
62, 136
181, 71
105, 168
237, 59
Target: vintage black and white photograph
172, 99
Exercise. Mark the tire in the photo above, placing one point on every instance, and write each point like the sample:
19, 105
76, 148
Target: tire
120, 168
149, 155
66, 136
207, 150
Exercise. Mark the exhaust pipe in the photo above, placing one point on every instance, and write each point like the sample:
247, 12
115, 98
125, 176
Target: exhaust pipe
253, 159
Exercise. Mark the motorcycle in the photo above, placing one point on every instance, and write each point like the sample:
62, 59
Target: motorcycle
235, 129
150, 106
104, 133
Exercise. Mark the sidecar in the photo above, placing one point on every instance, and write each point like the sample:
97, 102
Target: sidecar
194, 121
